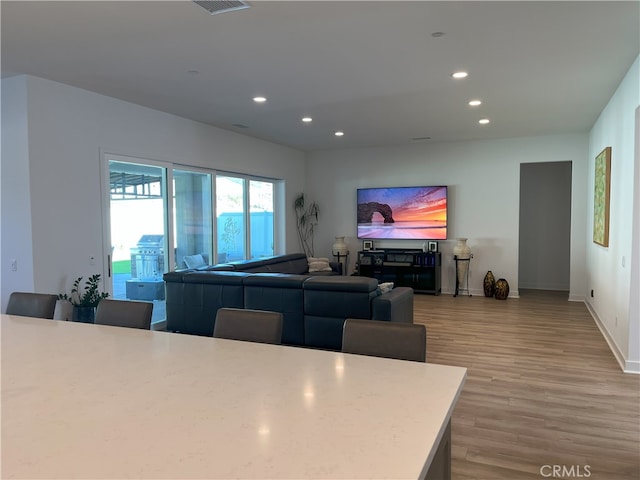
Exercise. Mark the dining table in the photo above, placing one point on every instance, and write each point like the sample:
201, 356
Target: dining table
86, 401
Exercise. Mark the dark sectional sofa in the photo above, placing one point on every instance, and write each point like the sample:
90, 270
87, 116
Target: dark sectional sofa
314, 305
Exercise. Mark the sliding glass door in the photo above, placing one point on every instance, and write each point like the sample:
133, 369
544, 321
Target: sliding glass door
149, 235
230, 218
138, 232
244, 218
261, 218
192, 218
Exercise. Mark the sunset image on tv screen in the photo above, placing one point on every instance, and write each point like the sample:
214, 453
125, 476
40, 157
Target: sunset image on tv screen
402, 213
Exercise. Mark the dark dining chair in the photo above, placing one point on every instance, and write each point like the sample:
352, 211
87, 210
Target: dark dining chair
248, 325
124, 313
40, 305
402, 341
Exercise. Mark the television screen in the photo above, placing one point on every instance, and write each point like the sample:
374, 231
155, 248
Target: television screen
408, 213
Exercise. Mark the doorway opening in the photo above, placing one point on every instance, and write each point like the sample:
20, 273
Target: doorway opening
545, 227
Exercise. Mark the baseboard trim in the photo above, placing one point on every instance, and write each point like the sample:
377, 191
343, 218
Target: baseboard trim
632, 367
544, 286
625, 365
479, 293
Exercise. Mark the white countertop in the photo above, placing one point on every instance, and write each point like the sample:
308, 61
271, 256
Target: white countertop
88, 401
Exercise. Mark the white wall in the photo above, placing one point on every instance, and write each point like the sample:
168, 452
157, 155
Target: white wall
634, 301
67, 129
609, 268
16, 202
483, 179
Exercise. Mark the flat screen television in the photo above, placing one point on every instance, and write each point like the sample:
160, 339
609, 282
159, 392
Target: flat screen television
407, 213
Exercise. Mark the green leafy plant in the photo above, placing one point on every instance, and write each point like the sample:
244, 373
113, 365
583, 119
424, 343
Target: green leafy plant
306, 221
86, 295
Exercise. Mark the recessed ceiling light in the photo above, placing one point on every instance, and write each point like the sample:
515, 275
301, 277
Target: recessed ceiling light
193, 72
437, 34
259, 99
475, 103
417, 139
339, 134
307, 119
215, 8
459, 74
483, 121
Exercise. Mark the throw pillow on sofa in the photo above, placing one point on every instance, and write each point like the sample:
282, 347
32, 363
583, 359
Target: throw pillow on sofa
194, 261
318, 264
384, 287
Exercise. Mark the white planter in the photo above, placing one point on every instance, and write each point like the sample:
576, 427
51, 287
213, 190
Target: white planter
340, 247
63, 311
461, 249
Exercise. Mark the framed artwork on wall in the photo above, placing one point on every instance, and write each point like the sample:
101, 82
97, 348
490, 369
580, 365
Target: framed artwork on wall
601, 193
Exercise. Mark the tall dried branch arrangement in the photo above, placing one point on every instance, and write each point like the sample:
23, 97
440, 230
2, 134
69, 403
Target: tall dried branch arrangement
306, 222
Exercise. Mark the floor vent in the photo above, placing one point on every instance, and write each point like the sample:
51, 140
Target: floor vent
221, 7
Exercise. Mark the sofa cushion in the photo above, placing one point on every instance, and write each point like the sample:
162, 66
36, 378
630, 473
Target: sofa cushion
280, 280
293, 263
194, 261
205, 268
192, 303
323, 332
276, 264
279, 293
339, 297
217, 268
340, 283
396, 305
248, 265
318, 264
174, 277
296, 265
215, 277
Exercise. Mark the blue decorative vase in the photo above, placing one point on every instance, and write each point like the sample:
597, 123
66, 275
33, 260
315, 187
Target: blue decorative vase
84, 314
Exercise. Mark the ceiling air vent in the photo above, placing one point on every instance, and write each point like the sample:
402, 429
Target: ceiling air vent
221, 7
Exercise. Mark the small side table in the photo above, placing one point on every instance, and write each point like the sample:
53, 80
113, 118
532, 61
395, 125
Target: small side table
343, 259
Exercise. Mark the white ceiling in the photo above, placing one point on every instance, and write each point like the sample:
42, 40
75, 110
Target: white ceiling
372, 69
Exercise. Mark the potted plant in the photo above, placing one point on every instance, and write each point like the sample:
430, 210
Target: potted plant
84, 298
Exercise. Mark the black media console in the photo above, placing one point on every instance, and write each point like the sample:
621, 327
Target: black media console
405, 268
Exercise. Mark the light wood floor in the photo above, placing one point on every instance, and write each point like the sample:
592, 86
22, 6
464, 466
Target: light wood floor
543, 388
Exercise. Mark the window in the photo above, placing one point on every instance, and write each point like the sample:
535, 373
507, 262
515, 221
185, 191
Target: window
230, 218
192, 217
261, 218
137, 231
241, 236
146, 235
